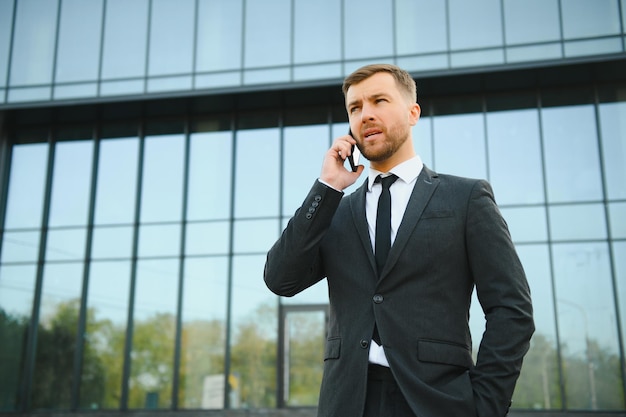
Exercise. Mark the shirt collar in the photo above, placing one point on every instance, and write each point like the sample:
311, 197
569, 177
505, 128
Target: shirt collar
407, 171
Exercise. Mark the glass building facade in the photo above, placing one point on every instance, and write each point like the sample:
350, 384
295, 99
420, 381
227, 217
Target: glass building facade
151, 151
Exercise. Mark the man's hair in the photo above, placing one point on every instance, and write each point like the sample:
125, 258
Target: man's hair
405, 82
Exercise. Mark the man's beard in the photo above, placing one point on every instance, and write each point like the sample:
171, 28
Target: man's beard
394, 139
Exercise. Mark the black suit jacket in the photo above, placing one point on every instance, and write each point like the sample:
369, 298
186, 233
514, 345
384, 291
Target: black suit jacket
452, 239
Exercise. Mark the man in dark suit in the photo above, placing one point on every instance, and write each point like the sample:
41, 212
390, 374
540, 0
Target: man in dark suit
398, 339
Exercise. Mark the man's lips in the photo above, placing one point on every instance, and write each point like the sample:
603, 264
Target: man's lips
369, 134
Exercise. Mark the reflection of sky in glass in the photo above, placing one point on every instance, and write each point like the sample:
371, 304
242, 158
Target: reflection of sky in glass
460, 145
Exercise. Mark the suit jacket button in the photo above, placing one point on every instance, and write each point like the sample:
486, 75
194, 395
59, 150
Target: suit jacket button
309, 216
317, 198
364, 343
378, 298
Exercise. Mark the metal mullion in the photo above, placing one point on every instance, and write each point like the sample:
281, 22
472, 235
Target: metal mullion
281, 351
10, 52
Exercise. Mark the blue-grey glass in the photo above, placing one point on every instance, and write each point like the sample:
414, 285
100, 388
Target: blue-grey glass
577, 222
210, 176
26, 186
460, 145
112, 242
571, 154
159, 240
538, 384
362, 43
71, 183
593, 47
534, 52
587, 326
254, 317
172, 83
56, 335
304, 149
20, 246
617, 219
117, 181
515, 165
316, 294
423, 140
619, 265
171, 37
33, 42
588, 18
6, 24
154, 314
613, 131
66, 244
125, 34
526, 224
267, 33
257, 173
23, 94
255, 236
476, 24
421, 26
107, 304
531, 21
477, 57
17, 288
61, 92
317, 31
219, 35
267, 75
162, 182
204, 333
78, 49
207, 238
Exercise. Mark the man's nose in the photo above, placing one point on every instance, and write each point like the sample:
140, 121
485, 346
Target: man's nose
367, 113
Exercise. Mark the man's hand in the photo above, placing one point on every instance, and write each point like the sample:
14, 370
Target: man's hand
334, 173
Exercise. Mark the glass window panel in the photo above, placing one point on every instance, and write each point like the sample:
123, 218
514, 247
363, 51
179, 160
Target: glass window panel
17, 288
112, 242
115, 88
207, 238
71, 183
20, 246
103, 357
78, 55
316, 72
534, 52
617, 216
579, 221
460, 145
67, 244
414, 19
33, 41
363, 44
613, 128
17, 95
423, 140
585, 18
204, 333
526, 224
257, 176
515, 162
593, 47
155, 314
159, 240
586, 317
171, 37
26, 185
255, 235
254, 334
6, 26
481, 57
304, 149
162, 185
538, 385
531, 21
169, 84
210, 161
317, 45
117, 181
571, 154
56, 336
219, 35
619, 263
61, 92
316, 294
465, 17
125, 33
266, 76
268, 40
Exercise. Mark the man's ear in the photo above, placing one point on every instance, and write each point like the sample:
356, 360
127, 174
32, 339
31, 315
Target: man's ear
414, 113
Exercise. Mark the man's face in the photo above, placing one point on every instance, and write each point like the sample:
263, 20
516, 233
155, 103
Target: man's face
381, 117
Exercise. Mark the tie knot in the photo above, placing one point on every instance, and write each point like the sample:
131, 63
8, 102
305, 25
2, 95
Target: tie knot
386, 181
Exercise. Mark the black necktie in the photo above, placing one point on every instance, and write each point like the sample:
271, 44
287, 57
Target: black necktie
383, 222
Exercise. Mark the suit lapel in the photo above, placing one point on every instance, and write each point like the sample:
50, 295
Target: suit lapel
357, 206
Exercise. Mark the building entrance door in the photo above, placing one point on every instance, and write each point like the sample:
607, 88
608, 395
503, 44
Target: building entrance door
302, 334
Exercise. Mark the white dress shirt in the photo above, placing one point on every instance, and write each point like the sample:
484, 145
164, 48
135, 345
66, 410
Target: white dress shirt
407, 173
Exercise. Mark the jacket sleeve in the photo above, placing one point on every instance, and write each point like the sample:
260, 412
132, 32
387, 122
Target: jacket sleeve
504, 295
294, 262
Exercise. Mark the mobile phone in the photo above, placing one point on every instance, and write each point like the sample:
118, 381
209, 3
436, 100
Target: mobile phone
354, 156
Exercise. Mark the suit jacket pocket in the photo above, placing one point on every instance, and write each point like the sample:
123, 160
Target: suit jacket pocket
332, 348
437, 214
447, 353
